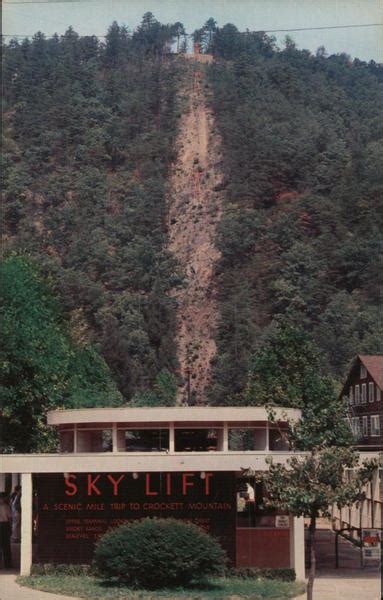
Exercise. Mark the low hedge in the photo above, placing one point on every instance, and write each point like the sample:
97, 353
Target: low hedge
60, 569
157, 553
281, 574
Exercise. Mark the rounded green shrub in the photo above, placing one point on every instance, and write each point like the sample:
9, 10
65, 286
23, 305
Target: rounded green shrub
155, 553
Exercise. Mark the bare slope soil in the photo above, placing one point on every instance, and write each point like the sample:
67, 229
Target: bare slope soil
194, 211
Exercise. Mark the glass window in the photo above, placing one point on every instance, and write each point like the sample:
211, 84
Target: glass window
67, 441
365, 426
247, 439
357, 394
356, 427
371, 392
94, 440
375, 425
143, 440
351, 396
197, 440
378, 394
364, 393
363, 372
278, 440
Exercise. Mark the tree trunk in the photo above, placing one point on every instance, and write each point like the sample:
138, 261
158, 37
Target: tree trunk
310, 582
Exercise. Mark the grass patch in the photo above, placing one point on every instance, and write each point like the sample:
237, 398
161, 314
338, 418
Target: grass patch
220, 588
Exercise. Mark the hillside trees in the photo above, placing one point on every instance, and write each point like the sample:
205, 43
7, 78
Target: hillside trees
42, 366
285, 371
88, 138
301, 219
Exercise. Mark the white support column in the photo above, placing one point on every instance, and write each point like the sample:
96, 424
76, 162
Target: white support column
15, 480
225, 437
297, 547
2, 482
114, 438
171, 438
267, 437
26, 524
75, 444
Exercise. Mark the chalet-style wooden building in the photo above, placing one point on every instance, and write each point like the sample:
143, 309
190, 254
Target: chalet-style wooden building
364, 391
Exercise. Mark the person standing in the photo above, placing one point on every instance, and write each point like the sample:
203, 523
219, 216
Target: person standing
16, 513
5, 531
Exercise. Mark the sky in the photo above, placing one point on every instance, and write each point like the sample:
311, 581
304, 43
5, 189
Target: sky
92, 17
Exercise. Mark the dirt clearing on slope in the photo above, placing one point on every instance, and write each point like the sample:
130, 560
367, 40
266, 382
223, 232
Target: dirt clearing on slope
194, 211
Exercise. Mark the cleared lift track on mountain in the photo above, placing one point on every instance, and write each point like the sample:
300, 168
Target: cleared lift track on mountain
194, 210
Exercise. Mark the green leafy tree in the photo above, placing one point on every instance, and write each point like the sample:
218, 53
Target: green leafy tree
179, 31
286, 371
42, 367
308, 487
163, 393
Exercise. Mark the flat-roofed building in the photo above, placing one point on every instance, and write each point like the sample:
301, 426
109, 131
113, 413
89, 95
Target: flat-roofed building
200, 464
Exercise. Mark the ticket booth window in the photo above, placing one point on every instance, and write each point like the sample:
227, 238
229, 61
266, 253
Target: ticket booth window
67, 441
249, 438
94, 440
198, 440
143, 440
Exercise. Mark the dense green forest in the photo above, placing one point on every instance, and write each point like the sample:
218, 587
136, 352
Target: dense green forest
41, 365
89, 139
89, 131
301, 233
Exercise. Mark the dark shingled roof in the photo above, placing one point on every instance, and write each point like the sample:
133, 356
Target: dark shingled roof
374, 365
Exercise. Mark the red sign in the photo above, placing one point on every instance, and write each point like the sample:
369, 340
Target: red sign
76, 509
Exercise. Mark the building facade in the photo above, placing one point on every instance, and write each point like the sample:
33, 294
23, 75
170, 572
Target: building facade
199, 464
363, 390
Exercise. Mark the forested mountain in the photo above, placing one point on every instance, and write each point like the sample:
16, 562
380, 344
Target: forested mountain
89, 135
301, 233
89, 142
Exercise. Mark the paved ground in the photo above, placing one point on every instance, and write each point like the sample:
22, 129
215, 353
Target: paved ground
10, 590
349, 582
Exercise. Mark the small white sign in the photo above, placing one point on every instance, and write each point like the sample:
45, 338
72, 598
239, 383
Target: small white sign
371, 544
282, 521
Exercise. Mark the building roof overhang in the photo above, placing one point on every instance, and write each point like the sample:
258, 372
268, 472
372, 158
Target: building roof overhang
140, 462
173, 414
121, 462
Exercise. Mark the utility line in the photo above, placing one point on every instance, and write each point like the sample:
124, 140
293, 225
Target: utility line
318, 28
190, 34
